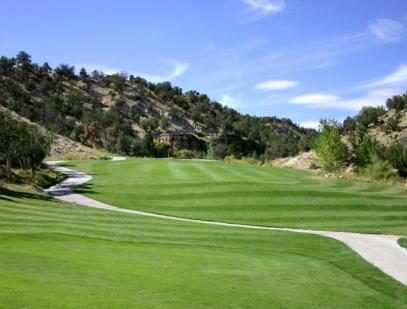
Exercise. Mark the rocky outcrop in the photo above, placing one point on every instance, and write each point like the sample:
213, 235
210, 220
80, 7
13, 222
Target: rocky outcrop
302, 161
387, 137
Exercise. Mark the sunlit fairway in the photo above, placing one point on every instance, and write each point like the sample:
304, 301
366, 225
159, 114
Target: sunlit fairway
53, 255
247, 194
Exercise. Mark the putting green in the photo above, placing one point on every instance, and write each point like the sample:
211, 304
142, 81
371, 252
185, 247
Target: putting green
247, 194
54, 255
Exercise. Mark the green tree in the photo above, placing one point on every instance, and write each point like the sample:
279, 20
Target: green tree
149, 124
97, 75
173, 111
368, 115
22, 143
211, 155
379, 169
397, 102
65, 71
147, 145
397, 156
349, 124
38, 146
23, 60
164, 123
10, 139
83, 74
330, 149
124, 144
196, 116
365, 151
392, 124
45, 68
7, 65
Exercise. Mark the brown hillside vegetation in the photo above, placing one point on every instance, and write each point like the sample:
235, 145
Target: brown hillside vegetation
115, 112
63, 147
387, 137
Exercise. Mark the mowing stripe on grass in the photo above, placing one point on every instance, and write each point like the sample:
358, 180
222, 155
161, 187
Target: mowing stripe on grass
209, 171
114, 260
382, 251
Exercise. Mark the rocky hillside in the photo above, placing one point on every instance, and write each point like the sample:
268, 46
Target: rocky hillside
302, 161
62, 147
116, 112
390, 127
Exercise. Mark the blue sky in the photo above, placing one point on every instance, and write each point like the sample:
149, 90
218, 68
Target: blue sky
299, 59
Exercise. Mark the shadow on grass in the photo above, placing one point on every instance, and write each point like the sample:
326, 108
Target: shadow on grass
85, 188
66, 164
72, 166
5, 194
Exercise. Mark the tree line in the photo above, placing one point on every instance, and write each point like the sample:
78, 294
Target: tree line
351, 144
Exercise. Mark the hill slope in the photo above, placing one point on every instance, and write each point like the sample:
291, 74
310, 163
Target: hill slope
114, 112
382, 129
62, 147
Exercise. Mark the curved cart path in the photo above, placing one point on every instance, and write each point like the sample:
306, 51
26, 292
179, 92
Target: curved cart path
383, 251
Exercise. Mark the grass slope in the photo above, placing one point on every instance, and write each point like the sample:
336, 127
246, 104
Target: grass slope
54, 255
403, 242
247, 194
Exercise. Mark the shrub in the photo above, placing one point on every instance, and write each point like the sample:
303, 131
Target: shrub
211, 151
397, 102
392, 124
314, 166
379, 169
363, 152
124, 144
368, 115
221, 151
184, 154
65, 71
149, 124
396, 154
189, 154
162, 149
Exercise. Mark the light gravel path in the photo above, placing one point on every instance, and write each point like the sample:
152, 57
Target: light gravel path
383, 251
118, 158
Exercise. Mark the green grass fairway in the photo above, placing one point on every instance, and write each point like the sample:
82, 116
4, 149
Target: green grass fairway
247, 194
403, 242
53, 255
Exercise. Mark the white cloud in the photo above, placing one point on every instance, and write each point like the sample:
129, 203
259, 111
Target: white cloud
258, 9
230, 101
266, 6
276, 85
93, 66
314, 99
311, 124
320, 100
387, 30
372, 98
398, 77
275, 55
211, 46
229, 88
178, 68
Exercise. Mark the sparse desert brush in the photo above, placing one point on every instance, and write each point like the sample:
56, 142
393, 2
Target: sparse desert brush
73, 156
